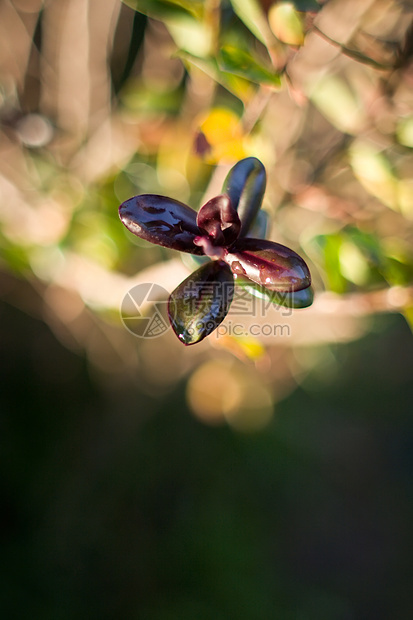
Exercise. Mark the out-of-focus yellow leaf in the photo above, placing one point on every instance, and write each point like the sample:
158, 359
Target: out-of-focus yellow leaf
286, 23
404, 131
405, 194
223, 132
336, 102
373, 170
190, 35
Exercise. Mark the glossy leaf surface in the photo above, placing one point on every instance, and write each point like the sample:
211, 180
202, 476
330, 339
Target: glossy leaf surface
201, 302
220, 220
269, 264
296, 299
162, 221
245, 185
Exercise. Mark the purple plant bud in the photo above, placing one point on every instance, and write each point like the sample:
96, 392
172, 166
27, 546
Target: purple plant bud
220, 220
269, 264
162, 221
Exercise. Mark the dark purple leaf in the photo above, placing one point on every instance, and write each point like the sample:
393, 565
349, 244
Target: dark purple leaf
201, 302
220, 220
245, 185
269, 264
161, 220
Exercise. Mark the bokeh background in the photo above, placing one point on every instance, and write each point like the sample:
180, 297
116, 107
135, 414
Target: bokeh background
242, 478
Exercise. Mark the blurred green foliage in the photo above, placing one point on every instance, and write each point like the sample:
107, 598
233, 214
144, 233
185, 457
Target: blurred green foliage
239, 56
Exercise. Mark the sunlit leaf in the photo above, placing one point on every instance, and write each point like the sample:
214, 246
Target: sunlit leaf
336, 102
352, 255
353, 264
398, 272
239, 86
408, 315
190, 35
373, 170
329, 248
233, 60
245, 185
184, 20
405, 196
251, 13
367, 242
164, 9
162, 221
404, 131
286, 23
269, 264
201, 302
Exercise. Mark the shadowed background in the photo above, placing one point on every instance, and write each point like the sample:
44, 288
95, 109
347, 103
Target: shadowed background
256, 477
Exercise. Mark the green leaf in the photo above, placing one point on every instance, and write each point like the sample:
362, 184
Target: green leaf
251, 13
404, 131
236, 61
239, 86
286, 23
306, 5
295, 299
329, 247
193, 36
201, 302
335, 100
184, 20
374, 171
165, 9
